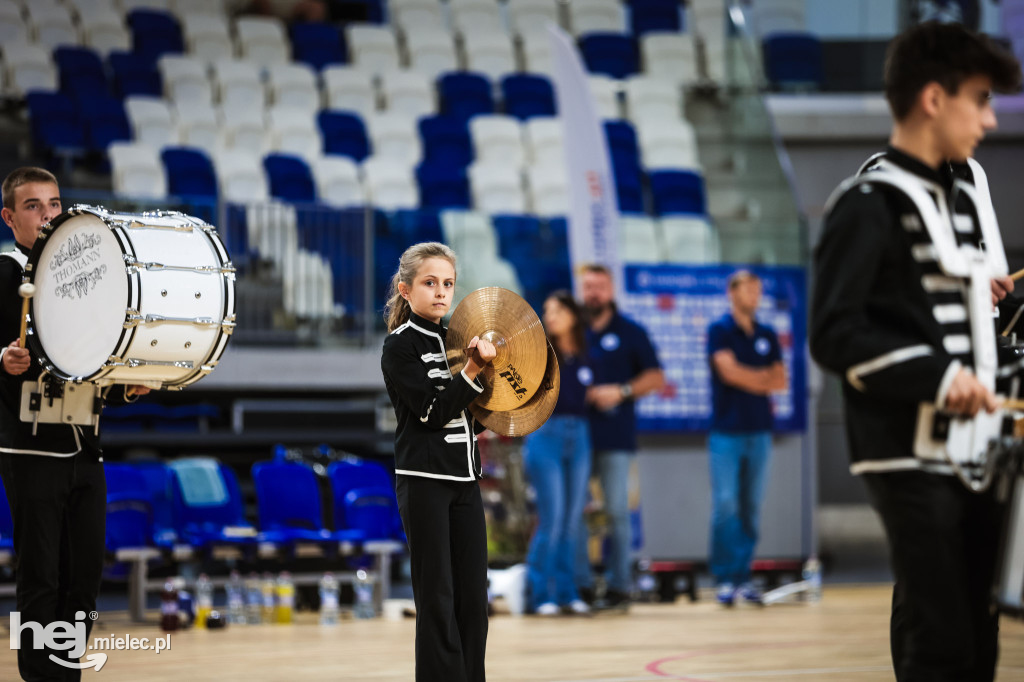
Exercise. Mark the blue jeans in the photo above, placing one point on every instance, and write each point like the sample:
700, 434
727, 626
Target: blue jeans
557, 462
612, 469
739, 462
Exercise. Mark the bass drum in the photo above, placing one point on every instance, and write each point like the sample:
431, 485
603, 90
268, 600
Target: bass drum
130, 298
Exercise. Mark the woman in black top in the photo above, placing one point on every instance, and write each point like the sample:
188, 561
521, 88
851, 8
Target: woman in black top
437, 466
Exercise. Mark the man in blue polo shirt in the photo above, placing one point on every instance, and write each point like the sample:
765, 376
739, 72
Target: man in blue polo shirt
746, 366
621, 351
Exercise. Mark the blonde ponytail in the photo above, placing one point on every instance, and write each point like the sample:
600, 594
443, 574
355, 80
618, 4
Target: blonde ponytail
397, 310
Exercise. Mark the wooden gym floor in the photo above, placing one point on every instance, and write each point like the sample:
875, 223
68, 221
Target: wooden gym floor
845, 637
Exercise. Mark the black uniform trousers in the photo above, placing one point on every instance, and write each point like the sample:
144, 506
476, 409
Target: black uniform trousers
59, 509
943, 545
444, 521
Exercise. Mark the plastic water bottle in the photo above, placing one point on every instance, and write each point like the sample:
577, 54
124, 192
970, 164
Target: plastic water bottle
363, 589
204, 600
328, 600
812, 576
253, 600
285, 598
268, 590
236, 599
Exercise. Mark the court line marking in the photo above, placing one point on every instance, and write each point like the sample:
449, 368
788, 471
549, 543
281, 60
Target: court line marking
766, 673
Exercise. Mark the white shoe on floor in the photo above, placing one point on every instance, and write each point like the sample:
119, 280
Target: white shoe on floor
578, 607
548, 609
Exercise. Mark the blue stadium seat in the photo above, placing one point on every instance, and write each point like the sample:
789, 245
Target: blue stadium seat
518, 237
318, 44
6, 525
465, 95
678, 191
350, 475
155, 33
105, 121
655, 15
344, 134
446, 141
528, 95
290, 507
189, 172
338, 235
158, 479
290, 178
612, 54
625, 158
134, 75
793, 60
443, 186
629, 191
129, 509
207, 506
81, 71
373, 512
55, 123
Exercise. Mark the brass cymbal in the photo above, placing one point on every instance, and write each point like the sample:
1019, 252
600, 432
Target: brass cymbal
533, 414
506, 320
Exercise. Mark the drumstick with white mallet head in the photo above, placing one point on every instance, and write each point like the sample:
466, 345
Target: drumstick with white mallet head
27, 291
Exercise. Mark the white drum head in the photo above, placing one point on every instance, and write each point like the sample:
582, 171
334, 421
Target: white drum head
81, 295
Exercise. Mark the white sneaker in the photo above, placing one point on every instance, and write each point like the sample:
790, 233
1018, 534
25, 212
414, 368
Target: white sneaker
548, 609
578, 607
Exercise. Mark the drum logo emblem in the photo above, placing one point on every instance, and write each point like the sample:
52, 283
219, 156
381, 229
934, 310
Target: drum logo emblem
511, 375
71, 266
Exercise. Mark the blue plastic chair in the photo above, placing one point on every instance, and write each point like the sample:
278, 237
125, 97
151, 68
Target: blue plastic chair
793, 60
207, 507
134, 75
290, 506
344, 134
290, 178
443, 186
105, 121
465, 95
374, 512
678, 191
6, 522
129, 508
629, 191
81, 70
528, 95
318, 44
350, 475
55, 123
155, 33
159, 479
446, 141
612, 54
189, 173
655, 15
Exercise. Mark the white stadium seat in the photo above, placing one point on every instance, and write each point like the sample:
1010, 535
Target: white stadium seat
544, 140
207, 37
670, 55
293, 85
237, 83
372, 48
293, 130
489, 52
390, 183
653, 97
349, 89
152, 122
497, 188
240, 176
393, 135
690, 240
337, 181
592, 16
638, 239
137, 171
549, 190
186, 79
28, 67
408, 92
498, 138
262, 40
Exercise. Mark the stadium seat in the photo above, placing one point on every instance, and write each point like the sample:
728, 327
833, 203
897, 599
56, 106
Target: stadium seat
373, 513
793, 60
465, 95
134, 76
81, 71
653, 97
605, 92
446, 141
349, 89
489, 52
105, 121
395, 136
28, 67
372, 48
262, 40
317, 45
238, 84
137, 171
56, 125
185, 80
498, 139
198, 126
611, 54
294, 131
549, 190
344, 134
12, 26
672, 56
129, 5
293, 85
647, 16
52, 25
497, 187
207, 506
528, 95
667, 144
778, 16
544, 141
244, 128
105, 31
189, 173
622, 143
337, 182
353, 474
597, 16
408, 92
289, 177
151, 121
443, 185
475, 16
678, 191
390, 183
207, 36
690, 239
154, 33
408, 15
241, 177
157, 479
638, 239
129, 531
535, 50
531, 16
430, 50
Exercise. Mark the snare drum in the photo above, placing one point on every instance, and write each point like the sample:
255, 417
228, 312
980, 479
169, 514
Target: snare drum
130, 298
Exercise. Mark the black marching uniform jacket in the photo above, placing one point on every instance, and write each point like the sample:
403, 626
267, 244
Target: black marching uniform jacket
885, 317
436, 434
59, 440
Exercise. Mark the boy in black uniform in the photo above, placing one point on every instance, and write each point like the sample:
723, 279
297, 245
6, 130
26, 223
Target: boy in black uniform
54, 478
908, 267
